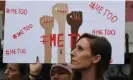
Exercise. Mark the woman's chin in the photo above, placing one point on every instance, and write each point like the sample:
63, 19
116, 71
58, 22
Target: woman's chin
74, 67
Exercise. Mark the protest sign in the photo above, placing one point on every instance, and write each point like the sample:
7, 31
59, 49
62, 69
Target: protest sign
46, 29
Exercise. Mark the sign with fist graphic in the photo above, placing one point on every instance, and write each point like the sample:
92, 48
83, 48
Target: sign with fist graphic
51, 29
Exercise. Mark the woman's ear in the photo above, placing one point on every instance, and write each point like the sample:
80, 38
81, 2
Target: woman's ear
97, 58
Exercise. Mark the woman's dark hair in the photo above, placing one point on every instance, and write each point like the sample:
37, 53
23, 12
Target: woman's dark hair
99, 46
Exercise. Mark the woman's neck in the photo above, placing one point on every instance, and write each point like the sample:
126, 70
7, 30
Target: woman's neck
88, 74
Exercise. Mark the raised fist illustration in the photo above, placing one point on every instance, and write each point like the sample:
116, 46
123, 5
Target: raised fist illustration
60, 11
47, 22
74, 19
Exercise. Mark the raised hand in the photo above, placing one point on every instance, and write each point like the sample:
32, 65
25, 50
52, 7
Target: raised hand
36, 68
74, 19
47, 23
60, 11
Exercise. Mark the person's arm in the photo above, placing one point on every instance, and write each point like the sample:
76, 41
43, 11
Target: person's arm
35, 70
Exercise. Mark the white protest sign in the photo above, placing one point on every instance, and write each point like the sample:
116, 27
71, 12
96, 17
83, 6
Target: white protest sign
45, 29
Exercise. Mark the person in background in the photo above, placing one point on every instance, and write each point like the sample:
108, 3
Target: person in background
61, 72
91, 57
16, 71
57, 71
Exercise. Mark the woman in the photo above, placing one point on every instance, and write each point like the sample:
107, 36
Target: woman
91, 57
61, 72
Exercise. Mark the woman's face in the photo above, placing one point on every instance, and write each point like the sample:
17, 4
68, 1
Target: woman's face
60, 74
81, 56
12, 72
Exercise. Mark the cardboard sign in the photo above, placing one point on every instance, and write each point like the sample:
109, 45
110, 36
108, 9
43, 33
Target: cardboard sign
49, 30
